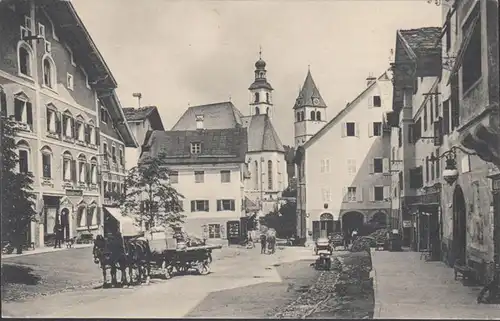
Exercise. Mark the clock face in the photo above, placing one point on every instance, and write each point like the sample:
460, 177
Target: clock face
316, 101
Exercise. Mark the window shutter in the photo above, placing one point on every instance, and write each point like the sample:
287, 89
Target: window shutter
359, 194
371, 169
343, 129
344, 193
356, 125
385, 165
193, 206
370, 102
233, 207
73, 170
387, 192
99, 177
97, 136
219, 205
75, 128
223, 231
370, 129
87, 133
29, 113
88, 173
60, 123
372, 194
206, 206
48, 111
18, 109
3, 103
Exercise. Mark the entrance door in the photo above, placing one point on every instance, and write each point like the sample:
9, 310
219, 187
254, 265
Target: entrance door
233, 232
435, 234
459, 226
65, 222
326, 227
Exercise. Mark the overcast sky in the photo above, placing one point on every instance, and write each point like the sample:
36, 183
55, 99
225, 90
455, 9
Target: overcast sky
178, 53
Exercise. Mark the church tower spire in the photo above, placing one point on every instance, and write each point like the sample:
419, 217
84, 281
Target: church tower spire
261, 90
309, 110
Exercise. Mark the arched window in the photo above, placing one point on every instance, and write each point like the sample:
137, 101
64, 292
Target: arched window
82, 164
93, 170
24, 56
67, 162
256, 171
268, 98
47, 162
313, 115
257, 111
298, 116
302, 115
318, 115
49, 72
23, 156
270, 175
257, 97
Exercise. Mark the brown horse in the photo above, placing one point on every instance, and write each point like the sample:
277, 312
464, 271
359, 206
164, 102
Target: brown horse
110, 254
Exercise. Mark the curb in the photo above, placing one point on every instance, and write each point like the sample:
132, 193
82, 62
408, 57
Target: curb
44, 251
373, 276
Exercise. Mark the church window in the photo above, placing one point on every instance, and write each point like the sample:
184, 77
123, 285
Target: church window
261, 74
268, 98
318, 115
267, 110
256, 169
270, 175
257, 97
298, 116
257, 111
313, 115
302, 115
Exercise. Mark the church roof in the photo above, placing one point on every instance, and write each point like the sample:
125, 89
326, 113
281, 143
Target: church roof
260, 83
215, 116
261, 134
227, 145
308, 92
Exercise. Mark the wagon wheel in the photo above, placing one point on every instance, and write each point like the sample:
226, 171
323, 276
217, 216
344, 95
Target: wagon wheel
203, 267
166, 270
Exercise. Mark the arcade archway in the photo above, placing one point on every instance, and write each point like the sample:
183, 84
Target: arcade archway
351, 221
459, 226
379, 219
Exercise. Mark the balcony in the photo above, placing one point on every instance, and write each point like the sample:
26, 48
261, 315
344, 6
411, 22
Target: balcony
23, 127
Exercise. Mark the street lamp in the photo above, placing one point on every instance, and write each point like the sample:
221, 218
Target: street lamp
450, 173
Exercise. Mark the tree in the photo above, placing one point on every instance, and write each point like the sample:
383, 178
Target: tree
150, 196
284, 220
17, 207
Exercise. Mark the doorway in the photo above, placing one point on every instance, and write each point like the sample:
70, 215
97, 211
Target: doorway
65, 222
459, 246
352, 221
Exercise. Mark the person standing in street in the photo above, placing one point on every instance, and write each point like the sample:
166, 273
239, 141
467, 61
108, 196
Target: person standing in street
58, 231
263, 243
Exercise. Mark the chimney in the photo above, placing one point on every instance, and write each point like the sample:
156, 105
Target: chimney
199, 122
370, 79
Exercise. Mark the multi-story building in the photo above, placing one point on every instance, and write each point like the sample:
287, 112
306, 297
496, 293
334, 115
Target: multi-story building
416, 114
53, 80
470, 93
343, 169
206, 167
140, 120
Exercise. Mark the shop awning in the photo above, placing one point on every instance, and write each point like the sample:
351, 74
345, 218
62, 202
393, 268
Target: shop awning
127, 223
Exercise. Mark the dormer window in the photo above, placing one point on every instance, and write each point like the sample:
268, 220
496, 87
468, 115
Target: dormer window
195, 148
199, 121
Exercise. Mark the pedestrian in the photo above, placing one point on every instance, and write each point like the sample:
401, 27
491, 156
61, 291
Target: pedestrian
263, 243
354, 234
58, 231
346, 240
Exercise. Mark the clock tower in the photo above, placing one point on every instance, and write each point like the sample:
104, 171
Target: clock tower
261, 91
309, 110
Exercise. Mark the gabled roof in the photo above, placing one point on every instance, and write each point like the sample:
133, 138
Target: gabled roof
148, 112
308, 93
227, 145
422, 41
343, 112
215, 116
261, 134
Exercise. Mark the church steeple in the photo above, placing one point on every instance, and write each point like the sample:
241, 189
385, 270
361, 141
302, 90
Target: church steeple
309, 110
260, 90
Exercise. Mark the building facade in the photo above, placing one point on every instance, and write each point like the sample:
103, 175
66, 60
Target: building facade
343, 193
51, 79
266, 173
140, 120
206, 167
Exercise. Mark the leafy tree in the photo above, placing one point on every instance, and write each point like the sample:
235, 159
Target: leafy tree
284, 220
150, 196
17, 207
